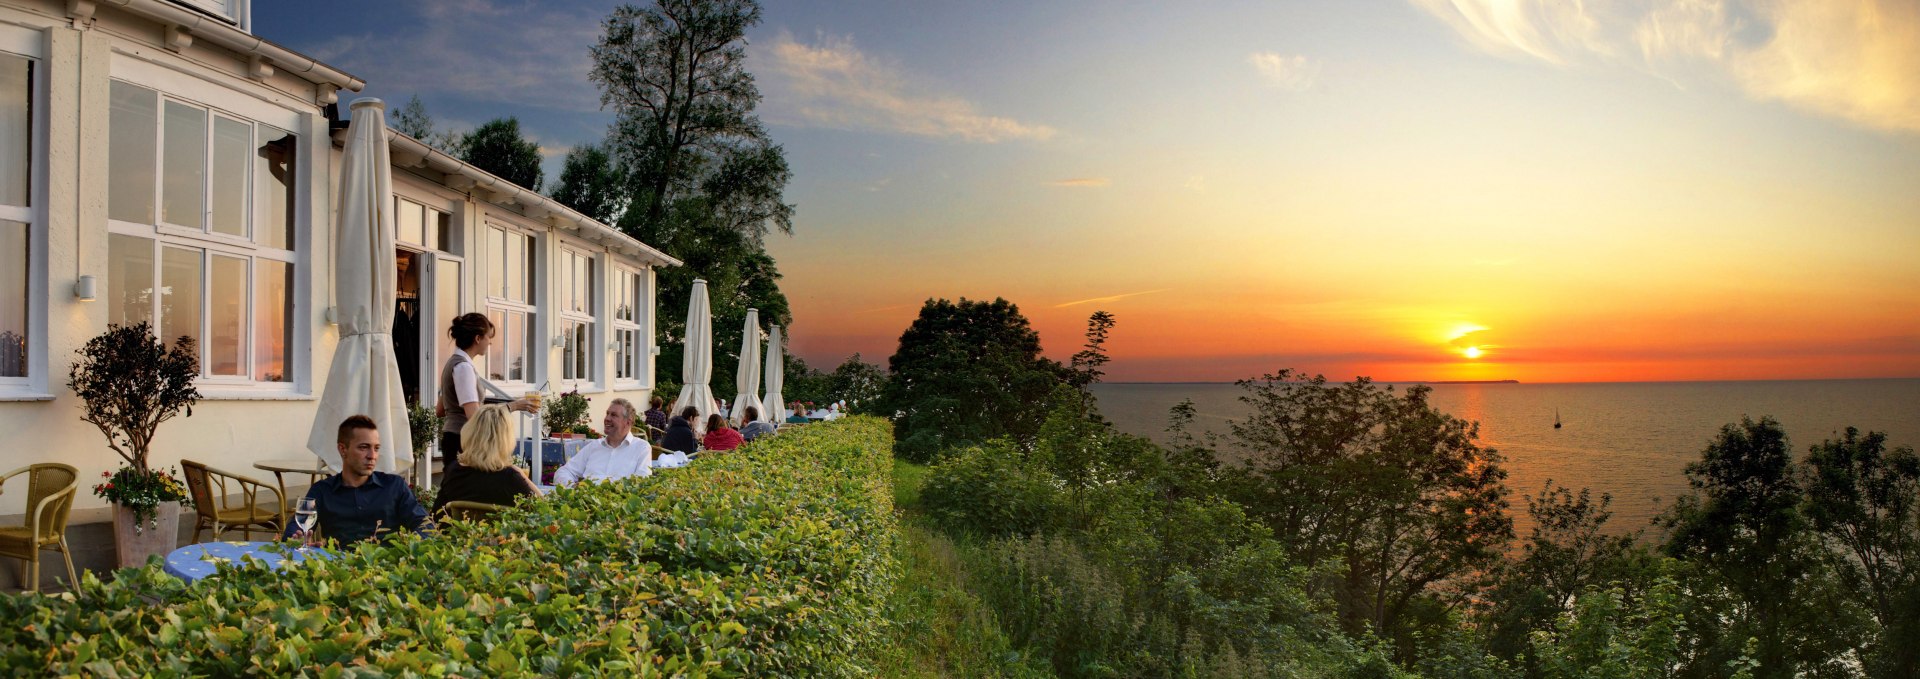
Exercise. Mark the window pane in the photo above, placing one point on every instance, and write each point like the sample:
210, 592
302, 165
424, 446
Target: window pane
496, 355
13, 298
273, 187
129, 280
516, 268
184, 182
446, 301
180, 294
131, 148
407, 222
16, 129
232, 144
517, 339
496, 263
272, 306
227, 317
582, 357
443, 230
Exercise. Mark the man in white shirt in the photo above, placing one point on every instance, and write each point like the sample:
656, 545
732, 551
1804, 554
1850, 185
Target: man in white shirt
619, 455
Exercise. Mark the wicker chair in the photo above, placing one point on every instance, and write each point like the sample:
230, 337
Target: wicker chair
464, 510
51, 488
210, 489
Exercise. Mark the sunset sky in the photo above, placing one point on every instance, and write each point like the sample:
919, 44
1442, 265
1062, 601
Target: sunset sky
1652, 190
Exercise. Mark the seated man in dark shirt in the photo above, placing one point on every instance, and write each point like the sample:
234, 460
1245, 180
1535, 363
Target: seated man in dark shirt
360, 503
680, 436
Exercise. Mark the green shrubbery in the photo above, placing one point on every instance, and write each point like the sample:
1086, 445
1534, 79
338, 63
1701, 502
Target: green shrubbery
774, 560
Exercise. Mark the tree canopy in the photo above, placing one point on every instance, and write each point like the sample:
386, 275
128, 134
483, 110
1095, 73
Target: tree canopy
967, 372
498, 147
698, 176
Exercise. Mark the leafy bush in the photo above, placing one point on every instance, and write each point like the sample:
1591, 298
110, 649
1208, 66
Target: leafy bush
744, 565
988, 490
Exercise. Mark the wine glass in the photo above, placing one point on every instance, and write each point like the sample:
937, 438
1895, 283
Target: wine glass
304, 515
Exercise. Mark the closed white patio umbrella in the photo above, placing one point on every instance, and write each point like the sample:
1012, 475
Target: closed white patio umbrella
775, 404
748, 377
364, 379
696, 360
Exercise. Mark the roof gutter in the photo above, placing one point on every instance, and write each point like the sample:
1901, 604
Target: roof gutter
411, 152
184, 25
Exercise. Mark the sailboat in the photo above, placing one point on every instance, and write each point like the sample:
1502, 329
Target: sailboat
1556, 418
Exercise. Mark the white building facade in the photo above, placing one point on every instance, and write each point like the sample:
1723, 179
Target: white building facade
155, 154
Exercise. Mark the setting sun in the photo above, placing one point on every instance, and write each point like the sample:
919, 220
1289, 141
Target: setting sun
1472, 352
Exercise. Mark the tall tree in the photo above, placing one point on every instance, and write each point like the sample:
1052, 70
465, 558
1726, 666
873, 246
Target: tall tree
1757, 570
967, 372
1865, 499
701, 178
412, 120
591, 183
498, 147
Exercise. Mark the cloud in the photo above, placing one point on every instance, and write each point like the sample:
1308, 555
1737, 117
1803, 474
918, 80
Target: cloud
1856, 60
1291, 73
1082, 182
534, 54
1109, 298
549, 151
834, 85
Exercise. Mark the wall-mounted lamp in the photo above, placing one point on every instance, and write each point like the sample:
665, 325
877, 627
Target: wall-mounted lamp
560, 340
83, 289
653, 351
332, 315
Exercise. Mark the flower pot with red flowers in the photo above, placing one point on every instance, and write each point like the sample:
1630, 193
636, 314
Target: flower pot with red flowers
129, 382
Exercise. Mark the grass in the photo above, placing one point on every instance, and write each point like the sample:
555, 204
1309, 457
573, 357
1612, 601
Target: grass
943, 629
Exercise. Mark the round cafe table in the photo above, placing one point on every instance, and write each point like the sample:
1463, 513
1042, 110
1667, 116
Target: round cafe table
194, 562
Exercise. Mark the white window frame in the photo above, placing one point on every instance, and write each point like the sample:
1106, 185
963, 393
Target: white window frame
633, 362
35, 384
572, 256
529, 307
253, 111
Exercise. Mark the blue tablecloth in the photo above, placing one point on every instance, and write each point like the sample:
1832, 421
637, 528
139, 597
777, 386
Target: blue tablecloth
194, 562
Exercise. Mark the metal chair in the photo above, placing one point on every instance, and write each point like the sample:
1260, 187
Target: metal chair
51, 487
466, 510
209, 487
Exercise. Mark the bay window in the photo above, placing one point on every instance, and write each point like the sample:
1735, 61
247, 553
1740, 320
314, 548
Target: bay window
200, 206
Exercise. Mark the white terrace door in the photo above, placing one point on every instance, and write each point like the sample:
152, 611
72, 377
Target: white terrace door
428, 289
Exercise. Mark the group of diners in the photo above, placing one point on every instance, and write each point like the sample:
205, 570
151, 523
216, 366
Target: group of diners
477, 442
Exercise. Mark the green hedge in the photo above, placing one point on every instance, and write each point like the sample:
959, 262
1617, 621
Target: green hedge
773, 560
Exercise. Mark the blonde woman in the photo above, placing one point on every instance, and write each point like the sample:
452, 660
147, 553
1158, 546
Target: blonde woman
486, 472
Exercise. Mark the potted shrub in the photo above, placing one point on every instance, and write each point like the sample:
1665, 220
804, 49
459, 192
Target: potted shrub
128, 383
425, 427
565, 412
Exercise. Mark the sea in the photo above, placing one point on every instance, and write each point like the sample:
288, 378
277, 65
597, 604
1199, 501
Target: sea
1631, 440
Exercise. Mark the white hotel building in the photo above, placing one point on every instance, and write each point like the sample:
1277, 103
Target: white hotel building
158, 146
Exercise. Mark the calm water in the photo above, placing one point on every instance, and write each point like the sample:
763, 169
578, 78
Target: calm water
1633, 440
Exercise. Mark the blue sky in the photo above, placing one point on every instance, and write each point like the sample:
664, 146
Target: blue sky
1724, 186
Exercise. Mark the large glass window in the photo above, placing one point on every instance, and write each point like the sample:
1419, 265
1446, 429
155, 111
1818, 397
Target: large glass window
16, 213
575, 283
201, 212
421, 225
627, 344
509, 259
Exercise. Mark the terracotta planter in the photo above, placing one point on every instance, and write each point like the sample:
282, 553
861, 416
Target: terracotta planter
134, 546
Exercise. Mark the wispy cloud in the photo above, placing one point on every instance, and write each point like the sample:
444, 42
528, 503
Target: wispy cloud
1293, 73
1109, 298
1857, 60
1082, 182
492, 50
833, 84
